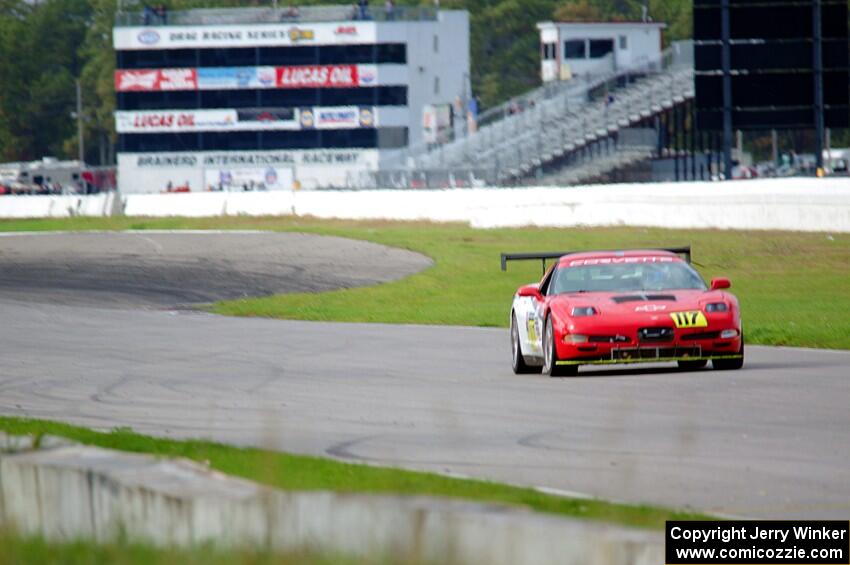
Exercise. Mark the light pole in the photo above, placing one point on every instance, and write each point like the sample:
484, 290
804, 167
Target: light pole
79, 116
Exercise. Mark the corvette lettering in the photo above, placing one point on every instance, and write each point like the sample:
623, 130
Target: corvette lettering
651, 308
622, 260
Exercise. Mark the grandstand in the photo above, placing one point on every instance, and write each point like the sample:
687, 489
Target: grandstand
552, 134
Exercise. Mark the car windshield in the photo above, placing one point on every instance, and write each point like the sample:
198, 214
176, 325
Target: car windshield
622, 277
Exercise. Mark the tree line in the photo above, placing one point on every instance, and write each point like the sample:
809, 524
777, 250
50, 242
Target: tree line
48, 45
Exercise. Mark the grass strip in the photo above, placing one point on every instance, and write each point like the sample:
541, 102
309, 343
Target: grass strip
300, 472
18, 549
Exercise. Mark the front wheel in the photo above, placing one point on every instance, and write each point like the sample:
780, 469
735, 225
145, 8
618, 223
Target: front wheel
730, 364
518, 363
550, 354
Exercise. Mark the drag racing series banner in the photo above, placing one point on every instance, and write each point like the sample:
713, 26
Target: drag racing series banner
233, 78
250, 35
261, 119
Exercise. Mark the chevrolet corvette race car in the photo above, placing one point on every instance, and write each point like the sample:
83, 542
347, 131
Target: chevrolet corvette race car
630, 306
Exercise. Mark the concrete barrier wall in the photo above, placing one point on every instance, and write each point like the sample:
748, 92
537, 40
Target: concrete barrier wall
201, 204
799, 204
57, 206
74, 492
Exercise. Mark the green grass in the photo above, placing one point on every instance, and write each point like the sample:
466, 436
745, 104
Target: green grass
794, 287
17, 549
299, 472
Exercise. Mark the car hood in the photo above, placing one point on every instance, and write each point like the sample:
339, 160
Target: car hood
639, 304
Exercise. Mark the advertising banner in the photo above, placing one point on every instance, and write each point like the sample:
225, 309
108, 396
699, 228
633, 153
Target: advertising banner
267, 115
248, 179
248, 35
231, 78
155, 121
156, 80
267, 119
318, 76
234, 78
178, 79
250, 159
437, 123
249, 119
337, 117
202, 171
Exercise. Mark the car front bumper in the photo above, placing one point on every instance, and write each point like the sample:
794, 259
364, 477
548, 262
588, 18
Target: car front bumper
681, 348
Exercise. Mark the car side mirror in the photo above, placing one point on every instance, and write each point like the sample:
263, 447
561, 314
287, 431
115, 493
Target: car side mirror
720, 283
530, 290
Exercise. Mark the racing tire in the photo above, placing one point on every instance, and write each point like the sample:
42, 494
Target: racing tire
692, 365
550, 354
518, 363
729, 364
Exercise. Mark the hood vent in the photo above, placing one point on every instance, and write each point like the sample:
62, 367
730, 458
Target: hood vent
643, 298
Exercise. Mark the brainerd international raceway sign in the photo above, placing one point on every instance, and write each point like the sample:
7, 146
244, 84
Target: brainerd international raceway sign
251, 158
236, 170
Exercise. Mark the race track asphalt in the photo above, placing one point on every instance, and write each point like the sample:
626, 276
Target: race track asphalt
770, 440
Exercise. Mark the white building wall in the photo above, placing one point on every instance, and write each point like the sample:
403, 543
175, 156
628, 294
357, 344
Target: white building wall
643, 45
447, 64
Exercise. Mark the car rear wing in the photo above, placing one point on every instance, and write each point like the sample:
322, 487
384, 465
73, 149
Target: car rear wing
543, 256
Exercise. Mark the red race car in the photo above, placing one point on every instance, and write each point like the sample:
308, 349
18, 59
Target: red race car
628, 306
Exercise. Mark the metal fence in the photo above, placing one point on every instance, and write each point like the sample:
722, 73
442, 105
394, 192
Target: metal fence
285, 14
423, 179
629, 145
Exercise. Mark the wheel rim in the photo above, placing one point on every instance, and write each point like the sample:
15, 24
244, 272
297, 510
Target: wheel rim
547, 347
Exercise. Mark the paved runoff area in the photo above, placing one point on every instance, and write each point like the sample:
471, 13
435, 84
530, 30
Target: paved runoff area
164, 269
767, 441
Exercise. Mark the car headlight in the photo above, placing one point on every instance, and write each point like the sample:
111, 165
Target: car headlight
717, 307
583, 311
574, 338
728, 334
